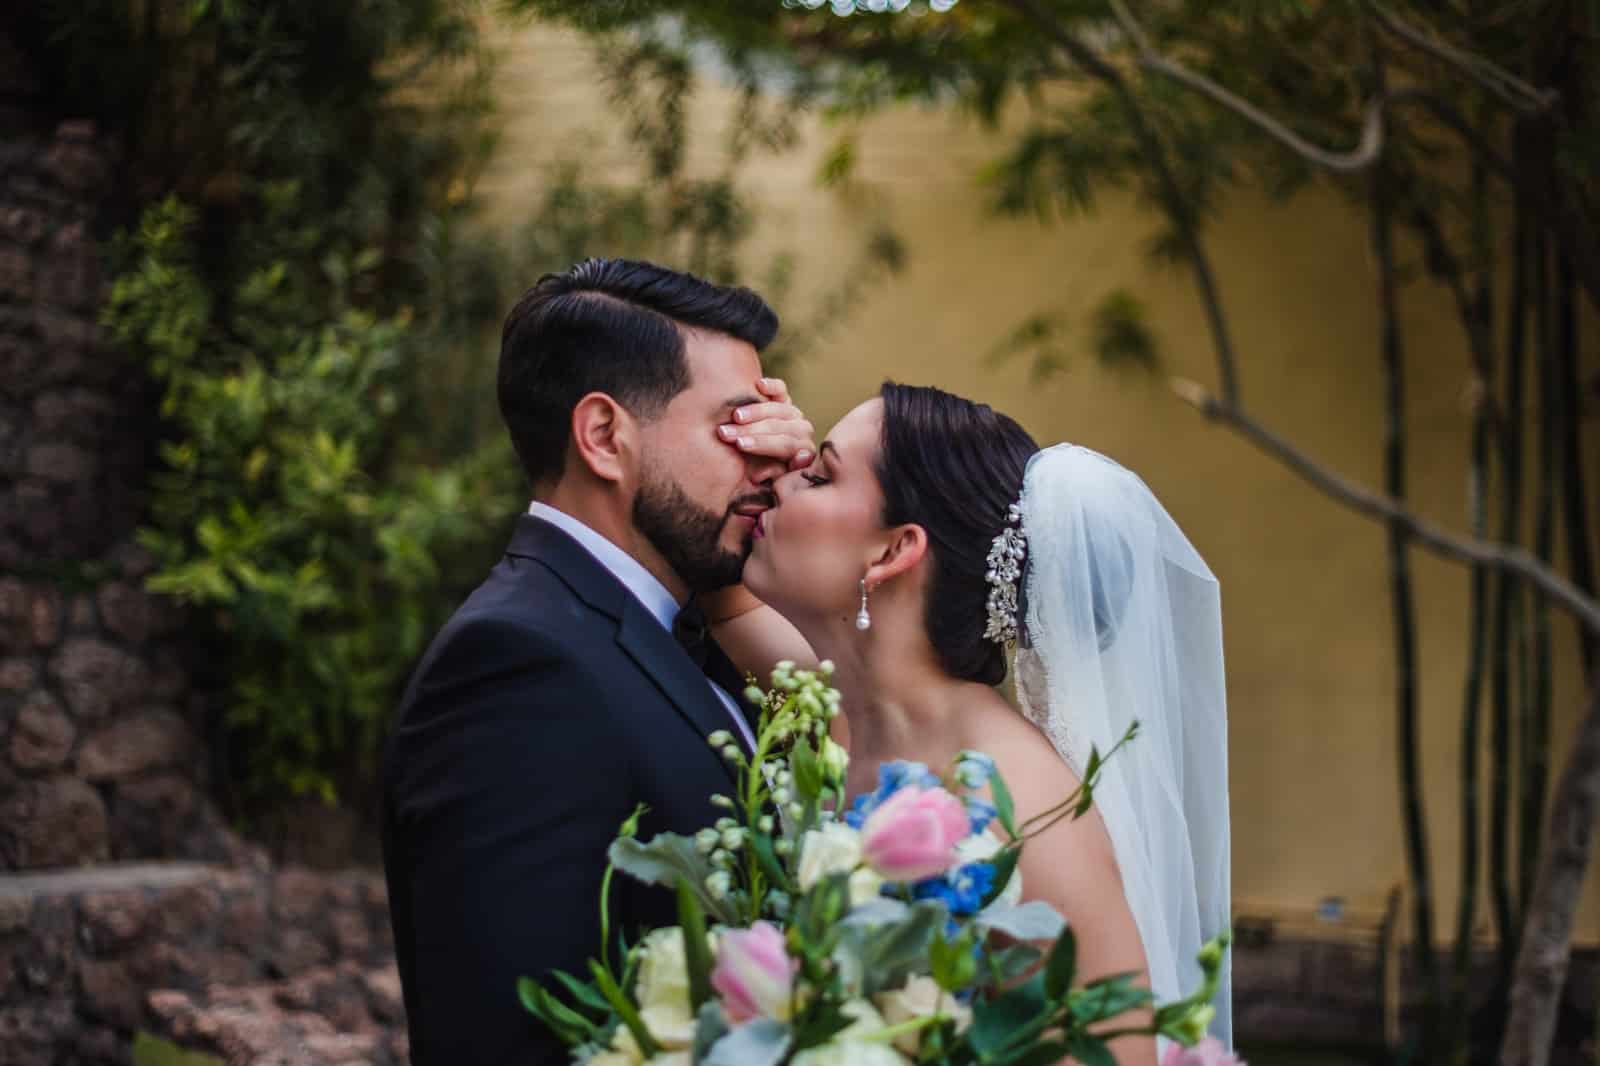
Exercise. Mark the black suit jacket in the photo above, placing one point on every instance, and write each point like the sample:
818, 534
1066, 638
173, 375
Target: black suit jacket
545, 709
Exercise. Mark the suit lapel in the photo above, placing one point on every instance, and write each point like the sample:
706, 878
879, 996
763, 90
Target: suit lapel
659, 655
639, 635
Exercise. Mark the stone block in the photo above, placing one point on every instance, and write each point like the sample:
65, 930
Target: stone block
61, 463
128, 612
32, 1033
112, 921
69, 271
76, 159
16, 276
97, 677
22, 225
60, 821
145, 740
189, 913
44, 615
153, 816
41, 734
18, 674
298, 895
110, 993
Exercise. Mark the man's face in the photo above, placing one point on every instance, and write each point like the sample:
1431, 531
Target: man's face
698, 495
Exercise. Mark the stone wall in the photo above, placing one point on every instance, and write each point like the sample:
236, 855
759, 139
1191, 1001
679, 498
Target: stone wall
255, 965
99, 757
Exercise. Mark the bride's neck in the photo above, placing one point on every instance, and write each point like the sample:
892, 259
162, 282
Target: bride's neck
892, 685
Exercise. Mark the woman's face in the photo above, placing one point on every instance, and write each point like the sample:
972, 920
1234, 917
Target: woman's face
812, 549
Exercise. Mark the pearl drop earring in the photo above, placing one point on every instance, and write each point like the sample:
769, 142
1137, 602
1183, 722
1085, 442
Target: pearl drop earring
863, 619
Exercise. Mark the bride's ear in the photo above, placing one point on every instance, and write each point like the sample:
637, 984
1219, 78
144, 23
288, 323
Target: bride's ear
907, 546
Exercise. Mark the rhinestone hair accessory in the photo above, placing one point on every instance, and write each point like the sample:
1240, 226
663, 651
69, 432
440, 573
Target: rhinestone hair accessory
1006, 556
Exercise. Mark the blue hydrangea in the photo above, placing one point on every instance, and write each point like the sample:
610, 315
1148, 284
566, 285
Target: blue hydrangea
961, 890
979, 813
892, 777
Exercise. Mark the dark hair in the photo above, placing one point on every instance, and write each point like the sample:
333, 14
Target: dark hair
613, 326
954, 468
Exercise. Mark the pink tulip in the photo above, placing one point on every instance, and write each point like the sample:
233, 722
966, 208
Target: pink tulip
754, 975
1208, 1052
913, 835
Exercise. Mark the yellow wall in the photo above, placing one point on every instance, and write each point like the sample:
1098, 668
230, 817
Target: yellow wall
1313, 779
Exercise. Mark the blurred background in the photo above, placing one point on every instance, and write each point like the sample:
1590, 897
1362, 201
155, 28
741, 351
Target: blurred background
253, 258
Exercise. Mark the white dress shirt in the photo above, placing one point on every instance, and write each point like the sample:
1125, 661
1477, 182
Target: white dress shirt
644, 585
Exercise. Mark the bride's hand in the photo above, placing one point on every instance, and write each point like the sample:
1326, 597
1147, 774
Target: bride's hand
776, 428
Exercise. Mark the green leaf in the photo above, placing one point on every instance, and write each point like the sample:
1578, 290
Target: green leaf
1005, 867
1088, 1051
767, 859
665, 859
696, 952
568, 1024
625, 1010
584, 994
886, 955
995, 1022
1062, 965
1005, 809
1033, 920
1044, 1054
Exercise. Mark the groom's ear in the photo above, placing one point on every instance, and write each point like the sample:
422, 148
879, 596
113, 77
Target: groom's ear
603, 436
906, 548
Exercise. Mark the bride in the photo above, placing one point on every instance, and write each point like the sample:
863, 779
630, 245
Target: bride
928, 537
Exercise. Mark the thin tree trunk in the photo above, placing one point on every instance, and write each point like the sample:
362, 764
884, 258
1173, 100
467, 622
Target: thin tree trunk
1574, 498
1401, 595
1507, 589
1479, 322
1541, 967
1535, 745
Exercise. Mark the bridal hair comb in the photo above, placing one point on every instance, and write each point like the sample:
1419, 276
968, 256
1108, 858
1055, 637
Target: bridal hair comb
1006, 556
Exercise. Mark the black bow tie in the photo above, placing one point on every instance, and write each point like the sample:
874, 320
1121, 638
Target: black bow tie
690, 630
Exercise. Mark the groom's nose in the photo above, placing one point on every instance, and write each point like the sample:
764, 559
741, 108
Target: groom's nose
764, 471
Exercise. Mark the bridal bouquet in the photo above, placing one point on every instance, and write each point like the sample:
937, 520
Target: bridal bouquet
882, 934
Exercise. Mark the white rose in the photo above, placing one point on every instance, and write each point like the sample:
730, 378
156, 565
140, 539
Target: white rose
864, 885
673, 1058
847, 1049
663, 989
920, 998
981, 847
624, 1051
833, 849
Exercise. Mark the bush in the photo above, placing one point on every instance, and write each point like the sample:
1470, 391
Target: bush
292, 504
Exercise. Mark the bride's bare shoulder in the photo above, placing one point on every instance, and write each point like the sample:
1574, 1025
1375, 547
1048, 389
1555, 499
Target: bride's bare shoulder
1036, 775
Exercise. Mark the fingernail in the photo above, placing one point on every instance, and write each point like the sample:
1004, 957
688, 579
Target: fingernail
802, 457
739, 414
728, 432
768, 382
744, 442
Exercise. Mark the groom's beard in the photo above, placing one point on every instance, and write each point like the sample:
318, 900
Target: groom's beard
688, 536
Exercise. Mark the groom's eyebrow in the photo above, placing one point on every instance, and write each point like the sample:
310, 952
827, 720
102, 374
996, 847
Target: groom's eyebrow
741, 401
827, 446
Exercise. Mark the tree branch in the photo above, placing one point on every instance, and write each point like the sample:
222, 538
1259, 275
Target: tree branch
1547, 937
1096, 65
1439, 541
1499, 82
1358, 159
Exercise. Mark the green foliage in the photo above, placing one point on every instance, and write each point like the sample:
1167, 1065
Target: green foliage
288, 506
154, 1051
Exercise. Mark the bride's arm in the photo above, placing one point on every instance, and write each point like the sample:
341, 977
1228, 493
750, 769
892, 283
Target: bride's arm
1072, 867
756, 637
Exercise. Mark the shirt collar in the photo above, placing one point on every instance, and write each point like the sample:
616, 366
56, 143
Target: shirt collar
644, 585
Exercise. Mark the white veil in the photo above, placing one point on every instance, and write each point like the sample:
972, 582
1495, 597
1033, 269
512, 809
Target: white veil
1123, 622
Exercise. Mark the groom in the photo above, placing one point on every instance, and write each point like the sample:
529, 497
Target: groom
575, 683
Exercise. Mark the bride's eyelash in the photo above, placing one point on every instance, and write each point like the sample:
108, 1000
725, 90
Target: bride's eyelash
813, 480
